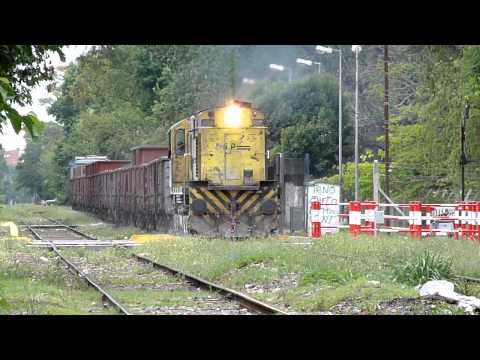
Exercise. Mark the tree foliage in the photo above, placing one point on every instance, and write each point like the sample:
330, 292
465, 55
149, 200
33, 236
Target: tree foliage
303, 118
426, 133
21, 68
116, 97
37, 171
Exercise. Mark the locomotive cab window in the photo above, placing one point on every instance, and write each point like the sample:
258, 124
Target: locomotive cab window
180, 141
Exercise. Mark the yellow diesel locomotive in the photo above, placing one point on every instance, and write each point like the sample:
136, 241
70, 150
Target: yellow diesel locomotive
218, 173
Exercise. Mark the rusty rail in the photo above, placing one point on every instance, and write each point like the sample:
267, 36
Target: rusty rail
105, 295
467, 278
246, 301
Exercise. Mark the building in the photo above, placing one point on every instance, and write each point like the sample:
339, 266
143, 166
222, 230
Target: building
12, 157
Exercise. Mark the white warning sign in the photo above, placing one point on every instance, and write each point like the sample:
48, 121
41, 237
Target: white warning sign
329, 197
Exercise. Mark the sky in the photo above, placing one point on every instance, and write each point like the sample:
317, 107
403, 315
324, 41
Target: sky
9, 139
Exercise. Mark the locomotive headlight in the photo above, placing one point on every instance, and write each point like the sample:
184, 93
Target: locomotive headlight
232, 116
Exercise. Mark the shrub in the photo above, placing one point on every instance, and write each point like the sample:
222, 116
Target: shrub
423, 268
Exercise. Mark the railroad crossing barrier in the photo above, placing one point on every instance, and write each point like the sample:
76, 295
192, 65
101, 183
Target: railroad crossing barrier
355, 217
316, 226
463, 216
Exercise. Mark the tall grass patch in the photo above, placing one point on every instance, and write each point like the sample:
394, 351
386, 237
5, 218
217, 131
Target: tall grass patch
424, 268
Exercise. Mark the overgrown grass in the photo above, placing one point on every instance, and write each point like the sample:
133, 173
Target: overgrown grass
29, 285
423, 268
329, 271
36, 214
335, 269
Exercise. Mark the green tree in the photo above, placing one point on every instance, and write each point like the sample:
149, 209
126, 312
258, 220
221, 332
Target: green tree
303, 118
33, 168
21, 68
365, 169
426, 133
3, 175
63, 108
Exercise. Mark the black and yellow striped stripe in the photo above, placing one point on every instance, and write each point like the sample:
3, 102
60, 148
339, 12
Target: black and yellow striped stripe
218, 201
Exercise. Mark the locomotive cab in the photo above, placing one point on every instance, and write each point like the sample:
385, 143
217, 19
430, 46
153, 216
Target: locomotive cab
223, 147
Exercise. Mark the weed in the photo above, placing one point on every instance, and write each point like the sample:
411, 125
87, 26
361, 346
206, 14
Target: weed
3, 301
423, 268
467, 288
332, 276
246, 260
447, 309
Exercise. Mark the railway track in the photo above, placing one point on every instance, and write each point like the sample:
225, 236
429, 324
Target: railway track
68, 236
71, 266
199, 295
467, 278
246, 301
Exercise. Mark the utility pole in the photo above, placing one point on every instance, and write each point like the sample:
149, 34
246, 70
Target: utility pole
463, 157
356, 49
340, 125
386, 119
328, 50
376, 182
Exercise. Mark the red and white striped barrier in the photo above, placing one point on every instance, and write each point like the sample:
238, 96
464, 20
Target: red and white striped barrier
415, 221
355, 220
316, 225
370, 207
465, 219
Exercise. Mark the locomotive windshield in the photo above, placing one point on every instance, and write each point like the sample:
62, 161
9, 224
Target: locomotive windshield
180, 142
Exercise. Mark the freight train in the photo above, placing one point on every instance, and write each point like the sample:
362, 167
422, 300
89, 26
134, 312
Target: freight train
215, 178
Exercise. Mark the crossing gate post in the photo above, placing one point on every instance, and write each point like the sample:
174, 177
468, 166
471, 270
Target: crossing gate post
373, 208
471, 220
474, 220
370, 207
415, 219
456, 223
316, 225
463, 221
467, 220
469, 224
428, 222
477, 220
354, 217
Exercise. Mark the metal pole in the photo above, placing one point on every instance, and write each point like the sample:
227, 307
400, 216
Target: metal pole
289, 75
376, 182
463, 157
356, 127
387, 140
340, 142
281, 164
